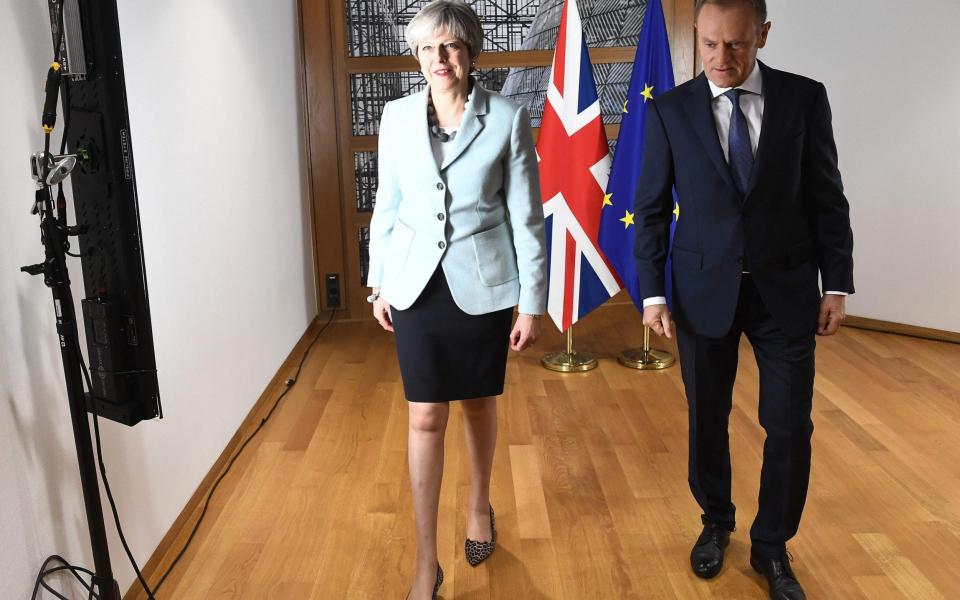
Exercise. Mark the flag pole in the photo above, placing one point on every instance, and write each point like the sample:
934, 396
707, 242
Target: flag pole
652, 75
570, 361
646, 358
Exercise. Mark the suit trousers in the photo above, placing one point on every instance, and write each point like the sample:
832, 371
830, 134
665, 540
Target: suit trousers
786, 368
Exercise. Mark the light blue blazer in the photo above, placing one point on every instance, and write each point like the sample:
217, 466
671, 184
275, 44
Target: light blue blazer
479, 216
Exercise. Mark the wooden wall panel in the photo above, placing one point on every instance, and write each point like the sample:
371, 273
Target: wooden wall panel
322, 142
354, 292
679, 17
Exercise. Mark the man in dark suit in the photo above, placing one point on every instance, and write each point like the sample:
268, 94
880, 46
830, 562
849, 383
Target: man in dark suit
751, 154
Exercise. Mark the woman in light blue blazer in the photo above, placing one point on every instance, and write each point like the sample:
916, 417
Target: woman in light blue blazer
456, 242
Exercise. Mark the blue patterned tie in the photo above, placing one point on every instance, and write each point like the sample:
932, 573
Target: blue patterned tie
739, 148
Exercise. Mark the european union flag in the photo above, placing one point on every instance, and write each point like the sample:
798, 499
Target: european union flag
652, 76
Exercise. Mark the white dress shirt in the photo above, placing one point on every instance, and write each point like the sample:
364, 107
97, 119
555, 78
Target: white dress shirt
752, 106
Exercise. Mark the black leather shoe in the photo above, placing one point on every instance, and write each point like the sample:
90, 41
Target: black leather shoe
783, 583
706, 558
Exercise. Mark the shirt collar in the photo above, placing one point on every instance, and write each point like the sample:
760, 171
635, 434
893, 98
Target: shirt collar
753, 83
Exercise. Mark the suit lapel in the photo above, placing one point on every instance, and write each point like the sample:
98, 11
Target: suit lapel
770, 124
422, 148
471, 125
700, 111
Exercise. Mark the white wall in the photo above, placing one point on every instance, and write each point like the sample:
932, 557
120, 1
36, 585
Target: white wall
889, 67
216, 130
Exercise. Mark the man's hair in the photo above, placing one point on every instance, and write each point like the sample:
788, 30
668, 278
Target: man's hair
759, 7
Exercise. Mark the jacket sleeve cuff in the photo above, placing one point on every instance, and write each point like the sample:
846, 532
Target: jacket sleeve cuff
531, 307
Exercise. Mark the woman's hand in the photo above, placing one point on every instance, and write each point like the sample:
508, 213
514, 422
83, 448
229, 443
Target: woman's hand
526, 331
381, 312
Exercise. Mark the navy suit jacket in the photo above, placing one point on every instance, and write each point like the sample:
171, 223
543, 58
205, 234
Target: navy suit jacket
792, 223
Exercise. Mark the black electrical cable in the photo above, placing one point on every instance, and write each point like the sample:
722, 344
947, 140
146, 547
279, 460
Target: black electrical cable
289, 385
91, 595
113, 504
65, 100
75, 571
103, 474
66, 566
106, 482
53, 591
43, 573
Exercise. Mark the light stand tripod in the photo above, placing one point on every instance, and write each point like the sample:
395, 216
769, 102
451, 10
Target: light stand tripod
55, 238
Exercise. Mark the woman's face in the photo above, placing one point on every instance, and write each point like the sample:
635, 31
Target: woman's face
444, 61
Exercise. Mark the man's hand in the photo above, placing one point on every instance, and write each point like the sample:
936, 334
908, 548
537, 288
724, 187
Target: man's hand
525, 332
832, 313
657, 318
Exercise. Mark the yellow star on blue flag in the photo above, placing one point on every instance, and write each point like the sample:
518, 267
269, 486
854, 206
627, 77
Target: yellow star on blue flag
652, 76
647, 92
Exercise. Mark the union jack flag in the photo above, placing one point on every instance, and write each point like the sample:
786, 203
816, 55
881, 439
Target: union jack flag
574, 169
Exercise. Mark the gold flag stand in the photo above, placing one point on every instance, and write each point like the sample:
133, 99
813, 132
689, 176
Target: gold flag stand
646, 358
569, 361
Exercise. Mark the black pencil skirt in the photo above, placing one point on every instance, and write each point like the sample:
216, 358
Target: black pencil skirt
446, 354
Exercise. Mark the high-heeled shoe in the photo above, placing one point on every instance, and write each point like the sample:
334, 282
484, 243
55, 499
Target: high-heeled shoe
477, 552
436, 586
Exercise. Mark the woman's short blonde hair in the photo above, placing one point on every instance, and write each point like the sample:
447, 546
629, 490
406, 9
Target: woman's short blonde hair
451, 16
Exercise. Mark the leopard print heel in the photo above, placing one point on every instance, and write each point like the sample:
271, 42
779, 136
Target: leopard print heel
436, 586
477, 552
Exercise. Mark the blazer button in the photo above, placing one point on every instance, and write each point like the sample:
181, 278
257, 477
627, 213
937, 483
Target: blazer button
439, 186
440, 216
441, 245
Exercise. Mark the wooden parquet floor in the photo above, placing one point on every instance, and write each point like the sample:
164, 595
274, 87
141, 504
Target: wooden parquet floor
589, 481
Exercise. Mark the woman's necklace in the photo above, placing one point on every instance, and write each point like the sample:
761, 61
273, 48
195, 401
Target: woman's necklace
434, 123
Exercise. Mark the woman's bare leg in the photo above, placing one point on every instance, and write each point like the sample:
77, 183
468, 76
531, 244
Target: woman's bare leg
480, 424
427, 426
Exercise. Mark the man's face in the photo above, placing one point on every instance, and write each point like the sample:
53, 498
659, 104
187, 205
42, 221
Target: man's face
728, 39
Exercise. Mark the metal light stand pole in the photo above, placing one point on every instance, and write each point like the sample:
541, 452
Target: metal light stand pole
646, 358
569, 361
55, 232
